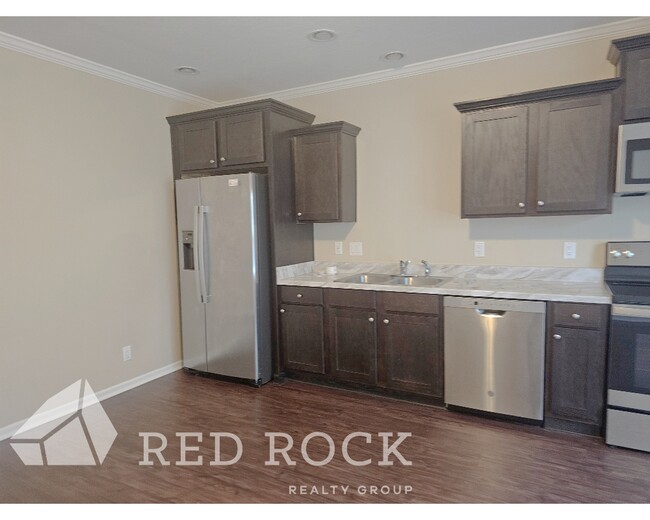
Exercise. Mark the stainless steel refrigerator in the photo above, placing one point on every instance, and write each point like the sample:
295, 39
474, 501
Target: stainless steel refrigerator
223, 251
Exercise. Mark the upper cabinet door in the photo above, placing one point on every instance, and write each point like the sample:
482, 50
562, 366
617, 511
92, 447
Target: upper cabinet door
494, 167
316, 174
637, 84
241, 139
197, 145
572, 172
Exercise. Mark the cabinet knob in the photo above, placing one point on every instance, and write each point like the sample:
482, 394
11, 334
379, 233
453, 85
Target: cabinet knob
282, 311
371, 320
557, 336
386, 321
212, 161
576, 316
299, 295
222, 159
521, 205
540, 203
299, 214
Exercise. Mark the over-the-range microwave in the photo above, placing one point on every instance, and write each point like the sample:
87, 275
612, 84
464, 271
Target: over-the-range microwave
633, 165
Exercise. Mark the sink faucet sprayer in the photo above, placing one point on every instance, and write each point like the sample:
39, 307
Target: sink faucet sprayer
403, 267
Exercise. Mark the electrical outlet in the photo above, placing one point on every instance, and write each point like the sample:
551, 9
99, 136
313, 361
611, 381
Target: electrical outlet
338, 248
126, 353
479, 249
570, 250
356, 248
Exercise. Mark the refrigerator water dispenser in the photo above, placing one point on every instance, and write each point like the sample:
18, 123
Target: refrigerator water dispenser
188, 250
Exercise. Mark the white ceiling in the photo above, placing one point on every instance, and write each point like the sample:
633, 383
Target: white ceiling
242, 57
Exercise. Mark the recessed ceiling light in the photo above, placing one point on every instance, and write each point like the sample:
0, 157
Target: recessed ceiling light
321, 35
393, 56
187, 70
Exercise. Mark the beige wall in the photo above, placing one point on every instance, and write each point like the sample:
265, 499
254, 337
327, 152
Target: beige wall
87, 259
409, 168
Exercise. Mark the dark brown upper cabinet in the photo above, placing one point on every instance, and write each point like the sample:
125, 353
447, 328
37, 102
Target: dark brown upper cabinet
197, 145
632, 59
232, 138
324, 172
241, 139
547, 152
226, 141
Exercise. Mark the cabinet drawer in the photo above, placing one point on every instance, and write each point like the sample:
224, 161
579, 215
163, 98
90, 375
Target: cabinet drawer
303, 295
414, 303
581, 315
350, 298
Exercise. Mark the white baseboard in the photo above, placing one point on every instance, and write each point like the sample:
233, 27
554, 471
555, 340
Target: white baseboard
11, 429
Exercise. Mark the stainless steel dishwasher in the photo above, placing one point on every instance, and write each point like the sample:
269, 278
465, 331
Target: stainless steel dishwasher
494, 355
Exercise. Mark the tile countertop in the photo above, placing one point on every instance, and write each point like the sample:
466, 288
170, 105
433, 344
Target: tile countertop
582, 285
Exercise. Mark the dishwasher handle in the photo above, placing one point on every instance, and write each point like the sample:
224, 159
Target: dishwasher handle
491, 313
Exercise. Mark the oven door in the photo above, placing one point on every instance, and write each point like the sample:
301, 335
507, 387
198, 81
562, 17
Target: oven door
633, 168
629, 352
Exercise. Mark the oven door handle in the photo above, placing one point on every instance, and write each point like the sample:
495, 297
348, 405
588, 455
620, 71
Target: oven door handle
631, 311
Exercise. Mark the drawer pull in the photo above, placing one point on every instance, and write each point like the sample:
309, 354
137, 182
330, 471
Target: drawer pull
282, 311
557, 336
371, 320
299, 295
576, 316
386, 321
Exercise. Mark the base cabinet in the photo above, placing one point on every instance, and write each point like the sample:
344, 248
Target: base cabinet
352, 342
301, 329
378, 340
575, 367
410, 353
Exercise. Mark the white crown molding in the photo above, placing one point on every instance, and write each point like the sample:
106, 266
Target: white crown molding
11, 429
14, 43
611, 30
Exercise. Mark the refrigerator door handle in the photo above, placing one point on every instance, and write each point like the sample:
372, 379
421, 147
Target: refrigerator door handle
196, 251
204, 295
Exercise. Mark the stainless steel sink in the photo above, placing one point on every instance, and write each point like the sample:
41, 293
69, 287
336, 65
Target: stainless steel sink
417, 281
366, 278
393, 279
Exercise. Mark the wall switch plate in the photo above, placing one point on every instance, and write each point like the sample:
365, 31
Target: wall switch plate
338, 248
570, 250
356, 248
479, 249
126, 353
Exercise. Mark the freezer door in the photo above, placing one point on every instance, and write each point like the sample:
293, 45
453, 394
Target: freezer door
188, 203
237, 323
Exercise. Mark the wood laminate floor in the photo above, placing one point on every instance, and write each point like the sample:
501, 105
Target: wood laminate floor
455, 457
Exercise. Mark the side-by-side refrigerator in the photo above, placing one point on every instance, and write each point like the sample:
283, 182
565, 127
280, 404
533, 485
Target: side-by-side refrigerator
223, 249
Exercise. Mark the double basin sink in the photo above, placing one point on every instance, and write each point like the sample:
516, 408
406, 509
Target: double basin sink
393, 279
